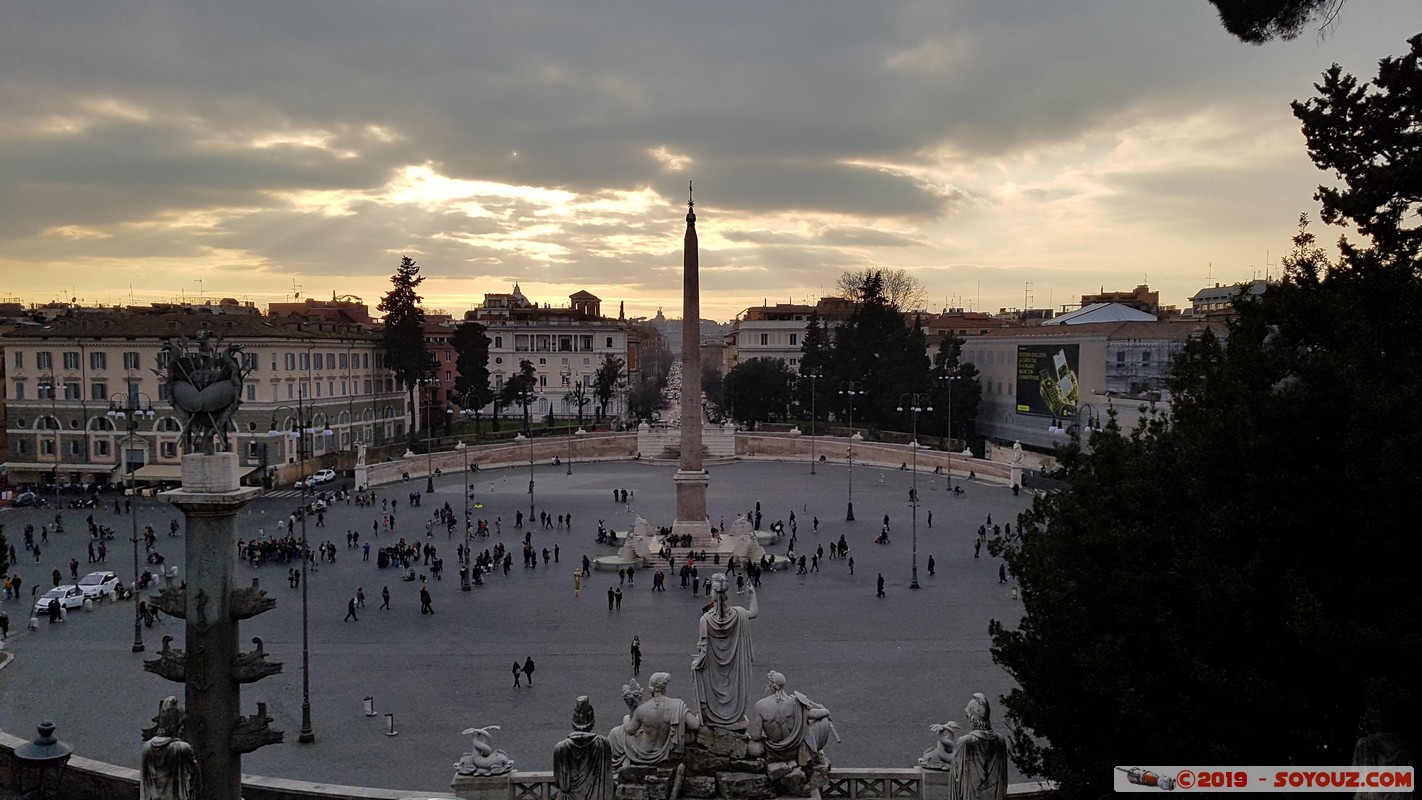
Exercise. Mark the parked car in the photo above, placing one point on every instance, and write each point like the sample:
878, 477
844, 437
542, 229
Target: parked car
25, 499
70, 596
317, 478
98, 585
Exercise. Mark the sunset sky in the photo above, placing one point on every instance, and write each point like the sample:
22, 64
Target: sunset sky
163, 150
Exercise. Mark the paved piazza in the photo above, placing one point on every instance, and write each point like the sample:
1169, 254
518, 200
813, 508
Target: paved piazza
887, 668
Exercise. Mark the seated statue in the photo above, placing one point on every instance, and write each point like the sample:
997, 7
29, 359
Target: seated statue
168, 769
582, 763
940, 756
617, 737
980, 771
657, 730
483, 759
785, 727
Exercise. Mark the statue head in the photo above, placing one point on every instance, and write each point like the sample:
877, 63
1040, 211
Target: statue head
170, 717
979, 713
775, 682
719, 585
583, 717
658, 683
632, 694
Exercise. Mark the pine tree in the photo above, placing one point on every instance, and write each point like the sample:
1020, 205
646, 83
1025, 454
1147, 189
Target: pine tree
471, 347
403, 335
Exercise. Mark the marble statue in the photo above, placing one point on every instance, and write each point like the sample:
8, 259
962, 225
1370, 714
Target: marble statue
980, 768
940, 756
1017, 452
617, 737
582, 763
360, 454
787, 727
483, 760
658, 728
722, 666
168, 769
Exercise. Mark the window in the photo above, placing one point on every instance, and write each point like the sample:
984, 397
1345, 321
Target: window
252, 391
249, 362
765, 338
46, 447
19, 390
330, 361
101, 447
71, 359
365, 360
542, 362
306, 361
164, 393
99, 360
20, 448
794, 339
254, 450
609, 341
20, 360
446, 356
1145, 356
130, 360
98, 391
44, 391
365, 385
343, 361
72, 391
290, 362
169, 425
170, 449
320, 361
290, 391
1120, 356
498, 341
542, 381
75, 448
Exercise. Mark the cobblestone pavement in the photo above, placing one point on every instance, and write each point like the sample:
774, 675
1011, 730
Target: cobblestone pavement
887, 668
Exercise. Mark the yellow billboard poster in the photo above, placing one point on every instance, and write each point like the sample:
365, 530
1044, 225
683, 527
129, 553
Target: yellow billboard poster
1047, 381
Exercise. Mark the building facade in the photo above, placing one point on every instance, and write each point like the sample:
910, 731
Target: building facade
63, 379
778, 331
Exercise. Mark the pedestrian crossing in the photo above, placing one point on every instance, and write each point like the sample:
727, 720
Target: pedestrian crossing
283, 493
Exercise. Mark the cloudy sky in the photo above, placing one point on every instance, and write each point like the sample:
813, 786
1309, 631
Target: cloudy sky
157, 150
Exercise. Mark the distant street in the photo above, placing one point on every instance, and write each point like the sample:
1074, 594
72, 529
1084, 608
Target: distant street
887, 668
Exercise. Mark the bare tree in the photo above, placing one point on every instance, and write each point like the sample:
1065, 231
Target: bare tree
903, 291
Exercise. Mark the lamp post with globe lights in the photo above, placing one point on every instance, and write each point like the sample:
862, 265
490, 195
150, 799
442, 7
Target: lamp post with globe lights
851, 390
914, 402
131, 408
301, 427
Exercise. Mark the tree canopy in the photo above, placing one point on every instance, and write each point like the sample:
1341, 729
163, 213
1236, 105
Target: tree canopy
471, 348
757, 390
898, 287
1260, 21
403, 334
606, 381
1246, 558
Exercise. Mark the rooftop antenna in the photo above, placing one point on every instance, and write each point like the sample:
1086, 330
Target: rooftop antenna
1209, 273
1026, 295
296, 290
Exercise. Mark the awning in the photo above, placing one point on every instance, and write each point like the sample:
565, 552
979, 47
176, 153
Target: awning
50, 466
159, 472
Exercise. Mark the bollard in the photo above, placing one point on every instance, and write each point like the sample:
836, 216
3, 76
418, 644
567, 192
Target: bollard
369, 705
256, 583
390, 725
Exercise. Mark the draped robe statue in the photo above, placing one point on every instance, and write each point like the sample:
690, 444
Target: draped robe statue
980, 769
168, 769
657, 730
787, 727
722, 667
582, 763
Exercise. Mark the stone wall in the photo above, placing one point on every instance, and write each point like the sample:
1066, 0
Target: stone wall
585, 448
875, 455
664, 442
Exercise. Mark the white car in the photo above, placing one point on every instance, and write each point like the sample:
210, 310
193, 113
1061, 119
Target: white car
317, 478
69, 595
98, 585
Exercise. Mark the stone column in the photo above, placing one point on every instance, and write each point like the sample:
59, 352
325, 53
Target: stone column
210, 499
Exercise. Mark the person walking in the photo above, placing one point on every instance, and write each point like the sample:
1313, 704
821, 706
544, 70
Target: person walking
977, 547
617, 594
930, 518
350, 611
360, 597
636, 653
930, 565
851, 565
517, 673
1002, 572
881, 585
5, 634
611, 596
385, 598
528, 671
425, 603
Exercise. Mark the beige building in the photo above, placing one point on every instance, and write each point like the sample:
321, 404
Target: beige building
63, 378
1038, 382
778, 331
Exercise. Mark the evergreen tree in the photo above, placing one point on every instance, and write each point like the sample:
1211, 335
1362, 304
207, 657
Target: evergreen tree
964, 395
403, 334
1248, 552
875, 348
471, 348
816, 357
757, 390
520, 390
606, 381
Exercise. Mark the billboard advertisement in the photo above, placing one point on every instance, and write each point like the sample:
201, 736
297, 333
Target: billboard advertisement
1047, 381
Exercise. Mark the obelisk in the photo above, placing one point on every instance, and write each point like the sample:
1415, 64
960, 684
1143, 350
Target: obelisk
691, 478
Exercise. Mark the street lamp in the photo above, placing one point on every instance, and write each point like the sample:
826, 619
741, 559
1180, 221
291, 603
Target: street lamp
50, 385
851, 389
528, 438
302, 427
429, 436
127, 407
464, 449
813, 376
914, 402
950, 380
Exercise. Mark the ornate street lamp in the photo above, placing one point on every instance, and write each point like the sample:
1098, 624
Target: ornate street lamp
813, 376
299, 432
851, 390
950, 380
131, 408
914, 402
